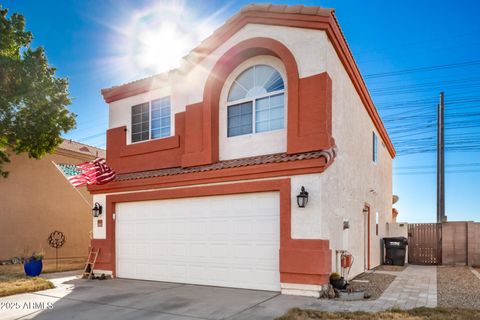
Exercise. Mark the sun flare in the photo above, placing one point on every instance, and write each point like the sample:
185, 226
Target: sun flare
154, 39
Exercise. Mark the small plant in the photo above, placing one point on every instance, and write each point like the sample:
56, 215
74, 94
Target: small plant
36, 256
335, 276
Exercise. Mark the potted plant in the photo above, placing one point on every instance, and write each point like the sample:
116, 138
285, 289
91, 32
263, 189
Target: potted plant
33, 265
337, 281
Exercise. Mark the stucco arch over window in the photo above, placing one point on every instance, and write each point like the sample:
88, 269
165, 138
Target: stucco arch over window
315, 132
211, 97
253, 109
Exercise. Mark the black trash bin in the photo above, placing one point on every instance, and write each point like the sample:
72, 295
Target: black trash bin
395, 250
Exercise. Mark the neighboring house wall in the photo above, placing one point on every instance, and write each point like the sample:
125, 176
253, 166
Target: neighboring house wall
461, 243
37, 200
473, 242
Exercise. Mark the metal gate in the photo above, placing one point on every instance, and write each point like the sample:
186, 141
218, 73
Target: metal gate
425, 243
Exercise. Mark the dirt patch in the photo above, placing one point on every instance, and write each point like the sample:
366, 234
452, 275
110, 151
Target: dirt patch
385, 267
414, 314
457, 287
49, 266
373, 283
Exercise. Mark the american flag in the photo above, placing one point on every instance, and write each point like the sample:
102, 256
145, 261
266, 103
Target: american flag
87, 173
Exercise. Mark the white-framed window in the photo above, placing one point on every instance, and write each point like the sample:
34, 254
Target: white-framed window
255, 102
151, 120
374, 148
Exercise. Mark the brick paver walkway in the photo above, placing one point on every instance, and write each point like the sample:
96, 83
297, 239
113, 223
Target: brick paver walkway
416, 286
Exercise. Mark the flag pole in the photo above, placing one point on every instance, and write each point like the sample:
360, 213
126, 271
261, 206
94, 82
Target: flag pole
63, 174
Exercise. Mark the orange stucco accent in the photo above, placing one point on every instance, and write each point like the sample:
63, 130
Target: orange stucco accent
310, 125
394, 215
301, 261
194, 137
367, 206
149, 155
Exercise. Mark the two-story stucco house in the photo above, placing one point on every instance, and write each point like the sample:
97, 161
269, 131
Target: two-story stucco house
211, 157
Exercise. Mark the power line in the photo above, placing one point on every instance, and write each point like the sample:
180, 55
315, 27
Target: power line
92, 136
434, 172
455, 165
423, 69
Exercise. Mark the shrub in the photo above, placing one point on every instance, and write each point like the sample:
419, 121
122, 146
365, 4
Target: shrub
334, 276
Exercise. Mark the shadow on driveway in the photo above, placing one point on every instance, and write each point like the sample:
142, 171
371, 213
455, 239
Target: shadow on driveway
134, 299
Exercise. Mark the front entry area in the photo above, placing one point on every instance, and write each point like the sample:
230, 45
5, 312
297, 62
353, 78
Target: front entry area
227, 240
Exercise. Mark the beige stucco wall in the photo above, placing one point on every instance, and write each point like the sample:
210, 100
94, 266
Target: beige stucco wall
354, 179
35, 200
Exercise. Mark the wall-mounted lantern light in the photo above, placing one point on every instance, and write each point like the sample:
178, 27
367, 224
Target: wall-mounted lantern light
346, 224
365, 210
302, 198
97, 209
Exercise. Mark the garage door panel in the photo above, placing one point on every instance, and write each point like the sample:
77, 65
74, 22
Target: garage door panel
222, 240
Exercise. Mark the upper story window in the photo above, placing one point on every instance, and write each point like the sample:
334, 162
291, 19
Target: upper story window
255, 102
374, 148
151, 120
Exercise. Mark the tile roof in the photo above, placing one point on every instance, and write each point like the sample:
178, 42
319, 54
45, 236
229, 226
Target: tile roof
85, 149
283, 8
329, 155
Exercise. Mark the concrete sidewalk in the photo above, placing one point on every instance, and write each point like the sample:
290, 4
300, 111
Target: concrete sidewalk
416, 286
27, 305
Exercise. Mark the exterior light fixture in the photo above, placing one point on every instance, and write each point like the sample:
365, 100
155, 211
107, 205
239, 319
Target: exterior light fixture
97, 209
302, 198
365, 210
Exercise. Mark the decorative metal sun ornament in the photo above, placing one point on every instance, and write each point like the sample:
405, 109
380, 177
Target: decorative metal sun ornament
56, 240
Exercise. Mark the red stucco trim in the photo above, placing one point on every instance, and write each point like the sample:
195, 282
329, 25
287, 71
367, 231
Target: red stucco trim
301, 261
367, 206
152, 146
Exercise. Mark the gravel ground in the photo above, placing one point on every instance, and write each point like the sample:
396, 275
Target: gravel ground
377, 283
457, 287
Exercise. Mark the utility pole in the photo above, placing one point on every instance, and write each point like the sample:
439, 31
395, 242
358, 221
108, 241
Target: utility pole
441, 160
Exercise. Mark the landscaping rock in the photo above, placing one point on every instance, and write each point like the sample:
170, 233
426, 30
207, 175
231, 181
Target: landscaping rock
336, 292
331, 292
457, 287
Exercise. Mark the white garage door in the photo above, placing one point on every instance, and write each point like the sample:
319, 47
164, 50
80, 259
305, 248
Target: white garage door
230, 241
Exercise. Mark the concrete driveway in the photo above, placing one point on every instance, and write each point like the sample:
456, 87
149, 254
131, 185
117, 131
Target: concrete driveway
132, 299
74, 298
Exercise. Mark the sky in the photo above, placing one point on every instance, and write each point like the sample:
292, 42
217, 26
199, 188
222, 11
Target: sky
407, 51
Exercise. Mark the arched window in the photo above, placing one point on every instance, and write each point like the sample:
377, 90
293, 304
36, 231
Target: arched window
255, 102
